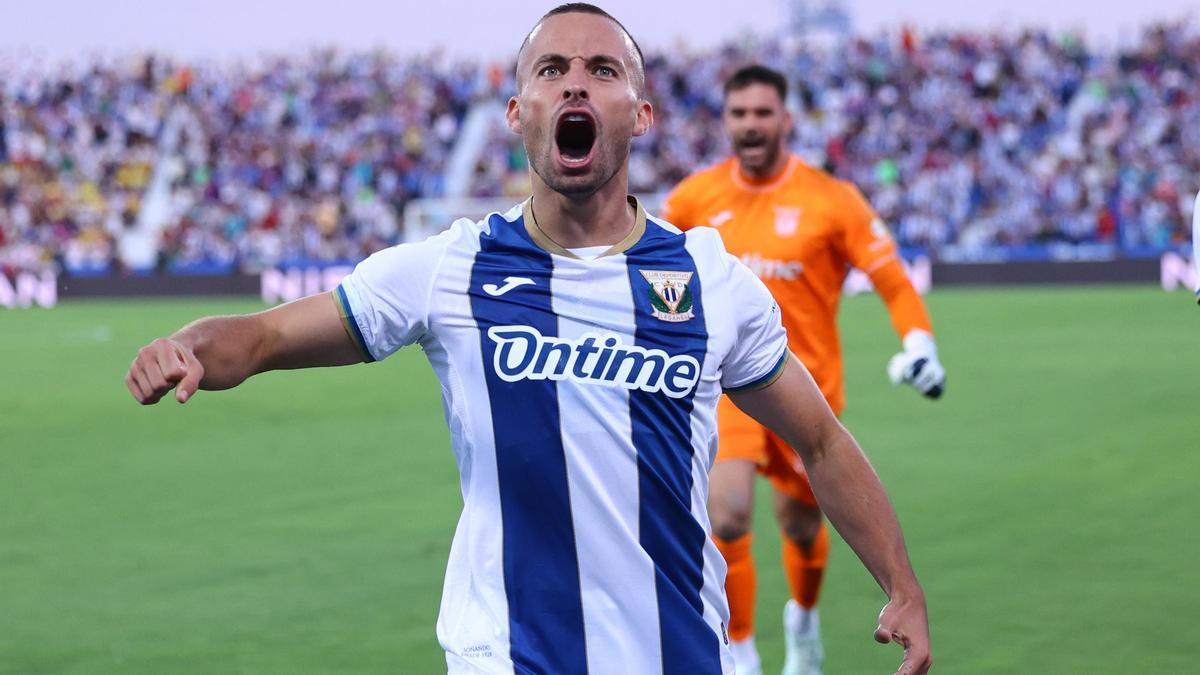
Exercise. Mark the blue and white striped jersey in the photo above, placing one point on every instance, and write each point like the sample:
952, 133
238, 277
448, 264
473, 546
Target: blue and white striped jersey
581, 399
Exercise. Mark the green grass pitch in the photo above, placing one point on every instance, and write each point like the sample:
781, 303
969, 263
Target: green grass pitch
300, 523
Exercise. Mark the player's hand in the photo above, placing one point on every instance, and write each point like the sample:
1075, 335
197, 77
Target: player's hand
918, 365
906, 623
161, 366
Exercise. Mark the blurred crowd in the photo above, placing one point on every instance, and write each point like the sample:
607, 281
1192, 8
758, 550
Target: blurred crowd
963, 140
960, 141
308, 158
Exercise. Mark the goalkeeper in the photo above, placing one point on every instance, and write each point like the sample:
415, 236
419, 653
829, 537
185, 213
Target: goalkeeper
800, 230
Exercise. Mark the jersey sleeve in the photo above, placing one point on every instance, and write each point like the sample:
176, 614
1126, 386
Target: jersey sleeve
870, 247
679, 206
760, 351
384, 302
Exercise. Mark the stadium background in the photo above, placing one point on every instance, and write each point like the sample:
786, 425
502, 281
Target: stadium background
300, 524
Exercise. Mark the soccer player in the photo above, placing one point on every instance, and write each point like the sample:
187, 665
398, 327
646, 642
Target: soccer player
799, 230
582, 346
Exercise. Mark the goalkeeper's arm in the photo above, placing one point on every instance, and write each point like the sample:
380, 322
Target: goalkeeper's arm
917, 363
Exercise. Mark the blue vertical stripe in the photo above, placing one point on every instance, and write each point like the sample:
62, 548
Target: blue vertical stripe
662, 434
541, 569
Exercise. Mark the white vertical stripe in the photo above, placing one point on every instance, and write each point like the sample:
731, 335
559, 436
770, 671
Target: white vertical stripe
473, 620
620, 606
716, 305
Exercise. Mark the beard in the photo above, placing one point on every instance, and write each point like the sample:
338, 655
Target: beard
770, 146
579, 185
609, 156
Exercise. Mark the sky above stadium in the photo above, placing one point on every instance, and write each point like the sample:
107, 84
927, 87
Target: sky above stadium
223, 28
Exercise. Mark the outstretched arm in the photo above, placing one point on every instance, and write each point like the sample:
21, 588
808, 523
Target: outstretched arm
850, 493
219, 352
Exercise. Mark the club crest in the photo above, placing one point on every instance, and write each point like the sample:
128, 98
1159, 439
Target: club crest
787, 219
670, 296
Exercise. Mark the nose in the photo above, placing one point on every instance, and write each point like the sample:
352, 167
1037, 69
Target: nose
575, 85
575, 91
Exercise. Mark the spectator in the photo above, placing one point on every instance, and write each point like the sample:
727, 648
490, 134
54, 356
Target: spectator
959, 140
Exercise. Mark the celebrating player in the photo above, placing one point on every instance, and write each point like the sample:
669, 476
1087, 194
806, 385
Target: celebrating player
582, 347
799, 230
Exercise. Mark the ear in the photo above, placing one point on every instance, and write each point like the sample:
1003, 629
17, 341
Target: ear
513, 115
789, 123
644, 119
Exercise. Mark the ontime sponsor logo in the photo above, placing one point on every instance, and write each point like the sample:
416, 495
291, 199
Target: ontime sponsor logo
523, 353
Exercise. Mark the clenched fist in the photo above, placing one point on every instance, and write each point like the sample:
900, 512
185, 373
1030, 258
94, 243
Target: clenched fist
161, 366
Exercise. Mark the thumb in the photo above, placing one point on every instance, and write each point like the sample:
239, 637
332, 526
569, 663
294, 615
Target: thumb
883, 635
194, 373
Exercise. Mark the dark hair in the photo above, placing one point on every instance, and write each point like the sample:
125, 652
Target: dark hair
588, 8
757, 74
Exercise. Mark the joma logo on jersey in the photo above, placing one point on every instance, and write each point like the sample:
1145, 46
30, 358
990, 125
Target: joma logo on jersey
720, 218
523, 353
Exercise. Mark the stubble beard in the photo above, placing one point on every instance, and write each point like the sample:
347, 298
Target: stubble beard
605, 165
774, 149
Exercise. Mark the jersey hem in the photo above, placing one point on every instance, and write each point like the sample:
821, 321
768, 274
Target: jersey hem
764, 381
350, 324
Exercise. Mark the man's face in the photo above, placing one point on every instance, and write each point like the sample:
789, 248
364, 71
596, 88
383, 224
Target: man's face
577, 104
758, 125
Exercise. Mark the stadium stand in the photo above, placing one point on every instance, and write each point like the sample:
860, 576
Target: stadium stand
963, 142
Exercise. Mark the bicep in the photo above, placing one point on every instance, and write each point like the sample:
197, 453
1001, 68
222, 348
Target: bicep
865, 238
306, 333
794, 408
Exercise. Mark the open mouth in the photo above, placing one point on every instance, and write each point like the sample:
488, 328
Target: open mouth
575, 137
749, 142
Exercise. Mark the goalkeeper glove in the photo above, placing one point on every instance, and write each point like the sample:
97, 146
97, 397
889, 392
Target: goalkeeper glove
918, 365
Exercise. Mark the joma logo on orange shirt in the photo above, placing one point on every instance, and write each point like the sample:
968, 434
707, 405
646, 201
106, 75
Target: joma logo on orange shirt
770, 268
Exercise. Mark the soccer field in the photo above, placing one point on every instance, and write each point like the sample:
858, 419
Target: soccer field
300, 524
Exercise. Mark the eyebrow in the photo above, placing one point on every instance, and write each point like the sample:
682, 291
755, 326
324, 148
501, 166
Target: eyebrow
752, 108
601, 59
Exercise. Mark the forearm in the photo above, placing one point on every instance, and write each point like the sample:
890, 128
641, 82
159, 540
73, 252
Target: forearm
852, 496
220, 352
230, 348
846, 486
904, 304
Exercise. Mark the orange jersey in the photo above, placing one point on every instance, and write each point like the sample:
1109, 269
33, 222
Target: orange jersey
800, 232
